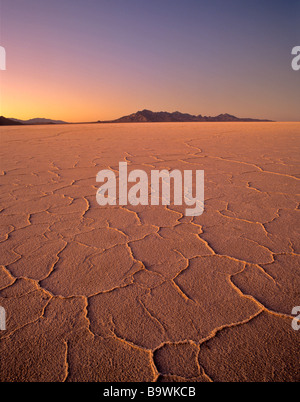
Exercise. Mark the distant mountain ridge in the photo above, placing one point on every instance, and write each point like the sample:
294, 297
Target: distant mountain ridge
149, 116
4, 121
39, 120
8, 122
142, 116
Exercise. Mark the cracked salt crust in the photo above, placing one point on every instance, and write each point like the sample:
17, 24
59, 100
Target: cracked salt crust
145, 293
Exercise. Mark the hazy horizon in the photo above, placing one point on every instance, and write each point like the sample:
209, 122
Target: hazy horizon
100, 60
154, 111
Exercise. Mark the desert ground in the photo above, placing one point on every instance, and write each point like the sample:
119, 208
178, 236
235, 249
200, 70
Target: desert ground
145, 293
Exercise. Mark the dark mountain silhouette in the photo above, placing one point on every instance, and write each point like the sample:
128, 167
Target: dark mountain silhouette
39, 120
149, 116
16, 122
142, 116
9, 122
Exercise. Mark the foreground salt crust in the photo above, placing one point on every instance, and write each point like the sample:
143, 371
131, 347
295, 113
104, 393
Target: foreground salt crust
145, 293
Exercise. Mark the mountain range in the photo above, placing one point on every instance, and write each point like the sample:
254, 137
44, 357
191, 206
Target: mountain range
142, 116
4, 121
145, 115
8, 122
39, 121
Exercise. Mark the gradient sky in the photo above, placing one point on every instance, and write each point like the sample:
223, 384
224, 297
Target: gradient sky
88, 60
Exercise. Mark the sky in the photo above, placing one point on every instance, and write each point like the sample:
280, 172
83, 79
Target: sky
89, 60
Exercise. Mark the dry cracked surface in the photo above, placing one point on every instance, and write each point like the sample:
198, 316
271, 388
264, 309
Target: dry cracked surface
145, 293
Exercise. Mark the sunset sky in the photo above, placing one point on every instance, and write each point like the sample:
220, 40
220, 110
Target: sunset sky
89, 60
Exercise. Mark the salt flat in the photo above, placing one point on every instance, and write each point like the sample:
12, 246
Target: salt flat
145, 293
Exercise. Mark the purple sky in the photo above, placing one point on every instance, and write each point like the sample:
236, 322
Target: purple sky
87, 60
